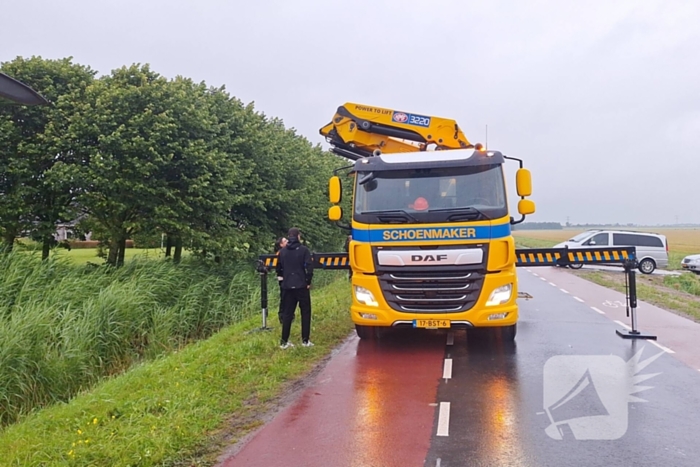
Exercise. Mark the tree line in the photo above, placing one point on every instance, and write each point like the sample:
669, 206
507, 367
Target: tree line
538, 226
134, 154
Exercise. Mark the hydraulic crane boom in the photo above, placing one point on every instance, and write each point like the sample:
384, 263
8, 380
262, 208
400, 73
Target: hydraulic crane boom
358, 130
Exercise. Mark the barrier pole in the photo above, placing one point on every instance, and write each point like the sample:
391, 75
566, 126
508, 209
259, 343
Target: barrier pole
631, 292
262, 270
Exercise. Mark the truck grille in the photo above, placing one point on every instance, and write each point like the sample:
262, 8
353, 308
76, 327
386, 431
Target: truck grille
431, 291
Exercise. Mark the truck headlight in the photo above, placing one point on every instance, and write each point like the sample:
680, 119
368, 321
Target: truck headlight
364, 296
500, 295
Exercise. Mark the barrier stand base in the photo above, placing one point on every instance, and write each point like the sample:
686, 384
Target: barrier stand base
634, 335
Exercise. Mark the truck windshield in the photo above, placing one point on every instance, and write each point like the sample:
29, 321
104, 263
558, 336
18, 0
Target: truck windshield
431, 195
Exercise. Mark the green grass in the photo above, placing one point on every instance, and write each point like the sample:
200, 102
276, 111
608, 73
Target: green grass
178, 409
688, 283
63, 327
525, 242
89, 255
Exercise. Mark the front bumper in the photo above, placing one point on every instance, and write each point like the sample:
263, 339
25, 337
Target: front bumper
477, 316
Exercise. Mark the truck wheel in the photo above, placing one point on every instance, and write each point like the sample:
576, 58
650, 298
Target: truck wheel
647, 266
364, 332
576, 266
508, 332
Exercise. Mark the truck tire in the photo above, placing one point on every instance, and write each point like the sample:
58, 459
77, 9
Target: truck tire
576, 266
364, 332
508, 332
647, 266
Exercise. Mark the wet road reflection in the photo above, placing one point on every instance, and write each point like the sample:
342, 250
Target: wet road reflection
395, 382
373, 405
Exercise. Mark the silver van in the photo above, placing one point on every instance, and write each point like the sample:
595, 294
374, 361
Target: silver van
652, 248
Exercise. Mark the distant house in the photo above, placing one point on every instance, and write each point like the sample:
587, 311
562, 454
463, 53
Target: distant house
65, 232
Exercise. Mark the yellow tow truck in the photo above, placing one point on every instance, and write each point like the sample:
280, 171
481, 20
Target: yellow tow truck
431, 235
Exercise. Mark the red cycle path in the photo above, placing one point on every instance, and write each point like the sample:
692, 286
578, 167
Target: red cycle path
372, 405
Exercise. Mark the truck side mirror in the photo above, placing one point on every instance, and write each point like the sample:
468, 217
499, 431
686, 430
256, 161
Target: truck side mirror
334, 190
335, 213
526, 207
523, 182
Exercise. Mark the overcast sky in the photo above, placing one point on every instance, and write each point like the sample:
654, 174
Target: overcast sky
600, 98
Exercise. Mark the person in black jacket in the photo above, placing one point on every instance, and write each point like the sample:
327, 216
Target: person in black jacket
295, 267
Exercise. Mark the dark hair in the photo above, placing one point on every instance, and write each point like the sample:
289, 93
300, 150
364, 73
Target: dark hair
293, 232
278, 244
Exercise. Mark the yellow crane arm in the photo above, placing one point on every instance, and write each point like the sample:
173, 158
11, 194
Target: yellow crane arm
358, 130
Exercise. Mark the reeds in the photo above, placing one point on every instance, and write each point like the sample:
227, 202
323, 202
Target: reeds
63, 327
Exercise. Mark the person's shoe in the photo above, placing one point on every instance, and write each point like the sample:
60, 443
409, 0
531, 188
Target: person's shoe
307, 344
286, 345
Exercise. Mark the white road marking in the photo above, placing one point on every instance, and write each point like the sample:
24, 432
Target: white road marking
552, 284
565, 291
576, 298
542, 278
437, 463
535, 274
597, 310
450, 338
623, 325
665, 349
447, 369
443, 428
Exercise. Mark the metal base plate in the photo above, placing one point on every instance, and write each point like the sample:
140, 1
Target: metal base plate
634, 335
259, 329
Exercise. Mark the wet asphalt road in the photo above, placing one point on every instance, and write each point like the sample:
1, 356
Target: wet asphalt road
452, 399
496, 395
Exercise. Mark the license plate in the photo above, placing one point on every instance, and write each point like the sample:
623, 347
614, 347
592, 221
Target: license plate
431, 323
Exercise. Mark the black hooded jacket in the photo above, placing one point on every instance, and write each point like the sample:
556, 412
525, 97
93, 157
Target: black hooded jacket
294, 265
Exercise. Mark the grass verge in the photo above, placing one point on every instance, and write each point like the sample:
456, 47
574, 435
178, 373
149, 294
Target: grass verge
180, 409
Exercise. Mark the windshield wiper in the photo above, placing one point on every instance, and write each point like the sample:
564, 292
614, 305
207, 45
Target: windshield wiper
466, 213
402, 215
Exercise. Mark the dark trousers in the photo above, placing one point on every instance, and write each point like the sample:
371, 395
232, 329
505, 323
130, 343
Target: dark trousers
290, 299
281, 308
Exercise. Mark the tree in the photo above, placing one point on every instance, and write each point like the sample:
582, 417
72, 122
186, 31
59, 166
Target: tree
125, 130
37, 168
